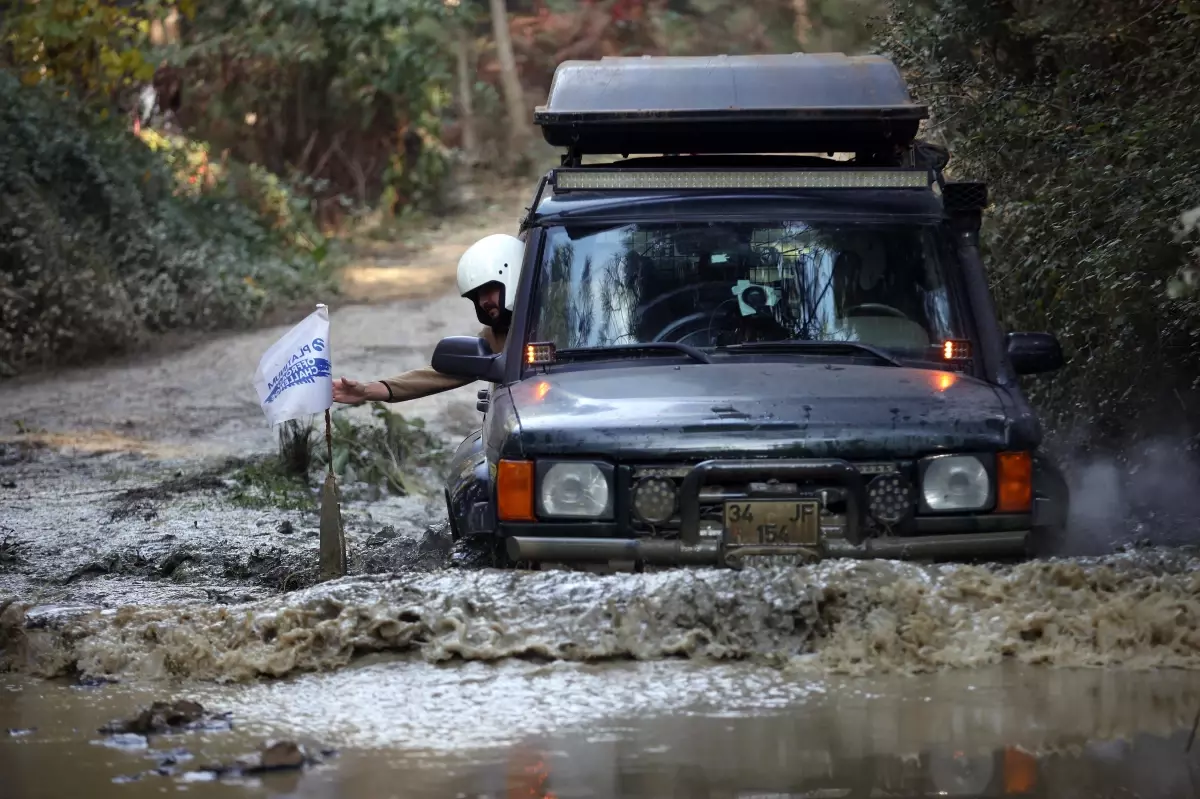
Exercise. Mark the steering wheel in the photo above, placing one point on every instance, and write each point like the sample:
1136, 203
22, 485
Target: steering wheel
692, 329
643, 310
875, 309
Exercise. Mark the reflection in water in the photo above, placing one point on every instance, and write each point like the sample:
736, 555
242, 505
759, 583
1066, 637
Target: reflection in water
410, 729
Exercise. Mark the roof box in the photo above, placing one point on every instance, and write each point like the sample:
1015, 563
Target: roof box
826, 102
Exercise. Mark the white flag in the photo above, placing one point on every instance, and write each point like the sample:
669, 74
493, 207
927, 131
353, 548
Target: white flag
294, 377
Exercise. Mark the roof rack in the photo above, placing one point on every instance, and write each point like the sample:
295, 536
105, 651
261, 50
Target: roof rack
826, 102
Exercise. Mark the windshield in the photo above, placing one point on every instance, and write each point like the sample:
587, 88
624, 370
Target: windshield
711, 285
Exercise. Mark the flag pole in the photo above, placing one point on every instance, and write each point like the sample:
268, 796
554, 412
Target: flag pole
329, 440
333, 540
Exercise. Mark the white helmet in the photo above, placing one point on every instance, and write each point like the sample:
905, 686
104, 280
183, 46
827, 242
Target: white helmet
492, 259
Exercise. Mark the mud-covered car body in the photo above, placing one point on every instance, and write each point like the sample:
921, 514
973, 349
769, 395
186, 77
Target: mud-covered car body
721, 355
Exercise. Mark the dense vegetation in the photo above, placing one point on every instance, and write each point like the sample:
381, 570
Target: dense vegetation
1081, 114
281, 118
99, 246
108, 237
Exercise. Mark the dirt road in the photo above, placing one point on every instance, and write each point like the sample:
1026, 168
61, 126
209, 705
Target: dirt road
125, 499
200, 401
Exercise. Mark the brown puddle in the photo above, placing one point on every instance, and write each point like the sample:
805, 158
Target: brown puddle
406, 728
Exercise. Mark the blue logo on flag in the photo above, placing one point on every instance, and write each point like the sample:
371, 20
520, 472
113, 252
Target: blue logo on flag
301, 369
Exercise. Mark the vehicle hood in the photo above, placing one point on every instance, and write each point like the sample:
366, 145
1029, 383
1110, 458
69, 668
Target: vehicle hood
744, 409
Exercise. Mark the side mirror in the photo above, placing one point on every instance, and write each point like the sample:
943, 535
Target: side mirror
1034, 353
468, 357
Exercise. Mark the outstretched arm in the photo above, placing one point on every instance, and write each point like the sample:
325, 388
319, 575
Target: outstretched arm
410, 385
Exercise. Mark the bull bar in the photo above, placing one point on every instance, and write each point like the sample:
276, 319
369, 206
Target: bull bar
692, 549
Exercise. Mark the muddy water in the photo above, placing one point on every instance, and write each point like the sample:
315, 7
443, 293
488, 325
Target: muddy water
1134, 610
775, 681
406, 728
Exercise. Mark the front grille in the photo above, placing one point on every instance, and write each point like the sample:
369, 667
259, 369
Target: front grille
713, 496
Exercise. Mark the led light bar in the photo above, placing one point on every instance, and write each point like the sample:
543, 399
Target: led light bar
650, 179
956, 350
539, 353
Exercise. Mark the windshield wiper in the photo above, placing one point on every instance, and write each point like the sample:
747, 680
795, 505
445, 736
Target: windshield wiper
650, 346
822, 347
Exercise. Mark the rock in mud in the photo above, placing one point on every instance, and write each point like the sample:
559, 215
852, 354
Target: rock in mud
174, 758
275, 756
126, 741
436, 541
159, 717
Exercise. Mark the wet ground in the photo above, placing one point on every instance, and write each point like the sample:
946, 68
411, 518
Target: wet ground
137, 565
661, 729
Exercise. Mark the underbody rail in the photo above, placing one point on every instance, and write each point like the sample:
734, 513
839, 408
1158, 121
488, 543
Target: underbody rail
675, 553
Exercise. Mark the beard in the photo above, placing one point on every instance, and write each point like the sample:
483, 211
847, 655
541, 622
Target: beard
499, 323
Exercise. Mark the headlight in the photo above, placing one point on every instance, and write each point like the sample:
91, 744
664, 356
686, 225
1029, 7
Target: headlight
956, 482
576, 489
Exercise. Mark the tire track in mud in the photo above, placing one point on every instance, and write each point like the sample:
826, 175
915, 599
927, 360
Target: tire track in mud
1134, 610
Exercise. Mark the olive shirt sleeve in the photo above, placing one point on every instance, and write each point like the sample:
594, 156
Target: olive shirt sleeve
417, 383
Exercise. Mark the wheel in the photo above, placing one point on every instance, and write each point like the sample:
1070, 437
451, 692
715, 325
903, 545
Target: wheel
487, 552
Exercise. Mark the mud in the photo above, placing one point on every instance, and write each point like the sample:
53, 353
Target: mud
133, 481
124, 528
1138, 610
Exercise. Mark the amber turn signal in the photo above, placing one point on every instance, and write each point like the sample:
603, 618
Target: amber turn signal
1014, 492
514, 491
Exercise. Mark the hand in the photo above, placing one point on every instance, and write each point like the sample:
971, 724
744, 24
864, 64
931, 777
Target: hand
349, 392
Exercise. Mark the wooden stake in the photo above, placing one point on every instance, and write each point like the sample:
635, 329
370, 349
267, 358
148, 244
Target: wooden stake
333, 541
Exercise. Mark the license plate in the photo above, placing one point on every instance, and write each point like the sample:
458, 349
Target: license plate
774, 521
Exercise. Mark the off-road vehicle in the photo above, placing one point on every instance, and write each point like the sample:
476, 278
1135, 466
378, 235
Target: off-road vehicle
723, 347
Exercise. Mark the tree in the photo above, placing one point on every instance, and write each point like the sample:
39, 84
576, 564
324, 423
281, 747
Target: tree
1081, 115
519, 128
465, 73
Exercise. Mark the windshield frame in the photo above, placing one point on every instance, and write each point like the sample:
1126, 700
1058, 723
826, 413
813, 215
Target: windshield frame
942, 239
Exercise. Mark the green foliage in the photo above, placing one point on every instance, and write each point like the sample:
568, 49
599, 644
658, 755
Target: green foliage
1081, 115
345, 94
98, 250
92, 48
388, 455
268, 483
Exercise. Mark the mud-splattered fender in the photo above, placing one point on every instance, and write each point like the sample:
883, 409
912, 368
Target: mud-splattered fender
468, 489
1051, 495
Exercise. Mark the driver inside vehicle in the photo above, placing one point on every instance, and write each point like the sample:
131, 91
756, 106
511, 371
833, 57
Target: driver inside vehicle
487, 276
875, 307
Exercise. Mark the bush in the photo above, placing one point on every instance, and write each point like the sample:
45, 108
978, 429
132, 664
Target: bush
393, 454
348, 95
1081, 115
99, 249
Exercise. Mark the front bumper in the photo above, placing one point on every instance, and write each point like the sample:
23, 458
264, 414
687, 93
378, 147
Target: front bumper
947, 537
676, 553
